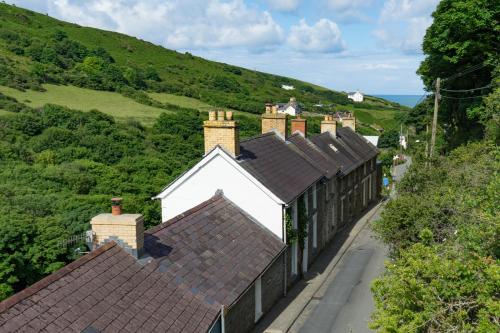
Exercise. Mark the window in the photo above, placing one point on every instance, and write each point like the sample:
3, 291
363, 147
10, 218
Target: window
342, 210
364, 193
305, 252
315, 218
258, 298
370, 187
295, 249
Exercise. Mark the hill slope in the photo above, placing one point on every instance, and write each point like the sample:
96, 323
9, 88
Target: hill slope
37, 49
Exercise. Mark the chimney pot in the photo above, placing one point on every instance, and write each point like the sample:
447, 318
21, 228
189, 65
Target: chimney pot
274, 109
220, 115
212, 115
269, 107
229, 115
116, 206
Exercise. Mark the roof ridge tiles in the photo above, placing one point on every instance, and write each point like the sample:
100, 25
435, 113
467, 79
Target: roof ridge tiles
263, 135
54, 277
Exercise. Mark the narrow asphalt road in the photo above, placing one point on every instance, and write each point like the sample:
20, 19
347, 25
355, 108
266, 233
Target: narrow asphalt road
345, 303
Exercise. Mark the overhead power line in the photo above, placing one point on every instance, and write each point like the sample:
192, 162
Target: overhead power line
470, 97
466, 71
466, 90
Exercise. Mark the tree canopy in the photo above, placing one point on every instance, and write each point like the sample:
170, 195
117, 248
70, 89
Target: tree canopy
462, 48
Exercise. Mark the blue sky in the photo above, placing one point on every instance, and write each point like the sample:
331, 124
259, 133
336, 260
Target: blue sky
370, 45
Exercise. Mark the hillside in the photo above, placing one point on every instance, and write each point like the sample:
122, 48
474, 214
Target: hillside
36, 49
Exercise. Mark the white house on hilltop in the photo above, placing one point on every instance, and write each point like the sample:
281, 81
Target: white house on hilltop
356, 96
287, 87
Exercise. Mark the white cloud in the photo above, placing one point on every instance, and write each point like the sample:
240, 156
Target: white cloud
178, 24
406, 9
375, 66
323, 37
283, 5
403, 23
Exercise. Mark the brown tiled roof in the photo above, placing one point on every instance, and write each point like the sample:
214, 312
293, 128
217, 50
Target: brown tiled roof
217, 250
204, 258
328, 165
279, 167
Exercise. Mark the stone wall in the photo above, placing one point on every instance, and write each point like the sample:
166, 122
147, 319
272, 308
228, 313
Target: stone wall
241, 316
272, 284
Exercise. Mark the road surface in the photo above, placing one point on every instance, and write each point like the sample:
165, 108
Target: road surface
345, 304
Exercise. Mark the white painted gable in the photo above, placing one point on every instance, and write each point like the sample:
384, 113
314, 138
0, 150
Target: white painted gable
215, 171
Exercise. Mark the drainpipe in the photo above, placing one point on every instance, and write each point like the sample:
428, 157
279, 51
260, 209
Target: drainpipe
222, 319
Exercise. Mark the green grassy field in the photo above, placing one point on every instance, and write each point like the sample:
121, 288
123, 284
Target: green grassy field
123, 108
379, 118
110, 103
186, 102
4, 113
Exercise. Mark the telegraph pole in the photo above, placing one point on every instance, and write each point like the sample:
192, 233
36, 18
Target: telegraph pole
434, 119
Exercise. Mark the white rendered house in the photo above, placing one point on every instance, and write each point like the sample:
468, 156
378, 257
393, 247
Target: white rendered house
220, 171
356, 96
291, 108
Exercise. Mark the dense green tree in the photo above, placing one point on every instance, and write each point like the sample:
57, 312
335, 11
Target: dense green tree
59, 167
389, 139
462, 47
442, 230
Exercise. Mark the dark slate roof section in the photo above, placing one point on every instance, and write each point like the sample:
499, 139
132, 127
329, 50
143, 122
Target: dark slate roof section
108, 291
278, 166
328, 165
347, 158
218, 250
203, 258
360, 145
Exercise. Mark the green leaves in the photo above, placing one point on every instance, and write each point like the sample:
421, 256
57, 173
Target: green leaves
443, 231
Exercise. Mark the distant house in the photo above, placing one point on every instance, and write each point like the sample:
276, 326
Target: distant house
356, 96
287, 87
291, 108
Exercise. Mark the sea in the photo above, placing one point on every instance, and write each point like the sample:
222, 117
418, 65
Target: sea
408, 100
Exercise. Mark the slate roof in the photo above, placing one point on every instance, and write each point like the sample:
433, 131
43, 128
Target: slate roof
328, 165
199, 260
362, 146
278, 166
346, 157
351, 149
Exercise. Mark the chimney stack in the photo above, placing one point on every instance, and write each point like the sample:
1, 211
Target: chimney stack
220, 129
299, 124
329, 125
272, 120
349, 121
127, 230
